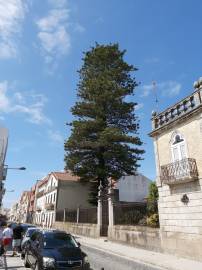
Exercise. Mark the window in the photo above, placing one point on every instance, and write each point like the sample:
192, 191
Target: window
178, 147
52, 240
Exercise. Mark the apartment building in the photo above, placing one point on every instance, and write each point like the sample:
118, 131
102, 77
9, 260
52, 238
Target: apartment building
57, 191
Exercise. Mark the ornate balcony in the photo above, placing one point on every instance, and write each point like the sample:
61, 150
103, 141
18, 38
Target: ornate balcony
181, 171
49, 206
178, 111
40, 194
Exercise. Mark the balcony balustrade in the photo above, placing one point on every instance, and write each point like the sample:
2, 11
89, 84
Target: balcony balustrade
49, 206
182, 108
181, 171
40, 194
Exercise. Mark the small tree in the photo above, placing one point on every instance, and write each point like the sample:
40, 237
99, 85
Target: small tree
104, 142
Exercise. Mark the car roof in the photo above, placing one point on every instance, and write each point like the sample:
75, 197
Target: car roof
44, 231
32, 228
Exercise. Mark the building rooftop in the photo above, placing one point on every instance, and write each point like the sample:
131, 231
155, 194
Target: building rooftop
65, 176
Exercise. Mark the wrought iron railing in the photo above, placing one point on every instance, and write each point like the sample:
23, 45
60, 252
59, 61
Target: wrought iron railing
184, 170
79, 215
40, 194
129, 213
49, 206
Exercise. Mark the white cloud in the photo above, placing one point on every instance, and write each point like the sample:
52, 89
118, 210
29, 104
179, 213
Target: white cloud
54, 37
55, 136
166, 89
170, 88
146, 90
31, 105
139, 106
12, 13
79, 28
58, 3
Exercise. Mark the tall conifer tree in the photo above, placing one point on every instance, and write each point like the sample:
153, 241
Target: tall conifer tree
104, 141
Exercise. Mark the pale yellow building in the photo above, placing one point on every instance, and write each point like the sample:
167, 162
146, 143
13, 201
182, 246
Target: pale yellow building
177, 135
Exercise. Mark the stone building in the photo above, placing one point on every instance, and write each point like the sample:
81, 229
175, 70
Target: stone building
177, 136
3, 168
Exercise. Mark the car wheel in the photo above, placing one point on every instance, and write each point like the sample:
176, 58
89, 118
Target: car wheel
26, 263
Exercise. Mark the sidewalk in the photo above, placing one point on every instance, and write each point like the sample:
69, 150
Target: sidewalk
150, 258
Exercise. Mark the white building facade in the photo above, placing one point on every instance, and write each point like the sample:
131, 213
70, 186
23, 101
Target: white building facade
133, 188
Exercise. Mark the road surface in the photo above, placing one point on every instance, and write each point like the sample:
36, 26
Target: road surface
99, 260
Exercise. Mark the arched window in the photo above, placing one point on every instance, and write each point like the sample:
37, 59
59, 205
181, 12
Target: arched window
178, 147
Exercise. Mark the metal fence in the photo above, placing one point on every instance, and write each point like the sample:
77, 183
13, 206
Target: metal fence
79, 215
127, 213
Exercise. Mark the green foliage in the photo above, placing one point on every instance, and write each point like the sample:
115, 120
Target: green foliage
104, 141
152, 206
153, 220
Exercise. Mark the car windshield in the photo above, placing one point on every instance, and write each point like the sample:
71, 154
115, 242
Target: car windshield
56, 240
30, 232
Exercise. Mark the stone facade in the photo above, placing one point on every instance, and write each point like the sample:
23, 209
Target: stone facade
89, 230
178, 150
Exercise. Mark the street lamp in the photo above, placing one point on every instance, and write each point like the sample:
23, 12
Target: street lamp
5, 168
20, 168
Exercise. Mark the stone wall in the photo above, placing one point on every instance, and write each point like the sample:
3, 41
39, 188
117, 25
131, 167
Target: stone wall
89, 230
177, 243
181, 224
139, 236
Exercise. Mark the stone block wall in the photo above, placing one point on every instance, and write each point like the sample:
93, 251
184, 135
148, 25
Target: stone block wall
181, 224
139, 236
89, 230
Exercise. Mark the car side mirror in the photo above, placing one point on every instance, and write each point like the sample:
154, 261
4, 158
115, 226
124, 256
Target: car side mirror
79, 244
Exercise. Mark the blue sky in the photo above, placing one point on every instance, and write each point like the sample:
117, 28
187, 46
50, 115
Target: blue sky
41, 45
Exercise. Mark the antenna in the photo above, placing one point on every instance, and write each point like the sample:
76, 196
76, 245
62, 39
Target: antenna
155, 94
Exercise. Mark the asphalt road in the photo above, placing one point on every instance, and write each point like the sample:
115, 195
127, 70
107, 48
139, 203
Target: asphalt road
100, 260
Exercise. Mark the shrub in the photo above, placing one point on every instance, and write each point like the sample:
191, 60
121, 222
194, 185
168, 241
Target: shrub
153, 220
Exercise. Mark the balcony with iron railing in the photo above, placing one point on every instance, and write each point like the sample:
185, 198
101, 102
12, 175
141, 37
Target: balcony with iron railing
181, 171
49, 206
40, 194
38, 209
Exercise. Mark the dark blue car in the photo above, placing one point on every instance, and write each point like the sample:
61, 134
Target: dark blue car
48, 250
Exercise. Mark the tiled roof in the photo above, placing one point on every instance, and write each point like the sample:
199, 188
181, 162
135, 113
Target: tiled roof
65, 176
43, 181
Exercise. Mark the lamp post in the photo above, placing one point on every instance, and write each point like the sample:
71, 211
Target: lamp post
5, 168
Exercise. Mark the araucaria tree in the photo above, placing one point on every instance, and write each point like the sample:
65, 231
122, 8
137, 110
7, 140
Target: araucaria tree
104, 143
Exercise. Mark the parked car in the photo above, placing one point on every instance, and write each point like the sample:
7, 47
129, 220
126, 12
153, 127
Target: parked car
53, 249
26, 226
26, 238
